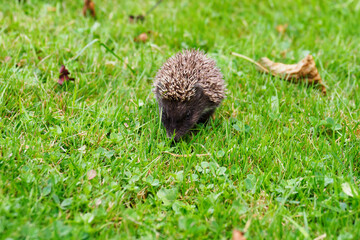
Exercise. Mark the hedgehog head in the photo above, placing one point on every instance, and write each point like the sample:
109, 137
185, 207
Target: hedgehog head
178, 117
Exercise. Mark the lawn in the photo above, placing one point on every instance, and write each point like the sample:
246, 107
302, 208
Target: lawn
89, 159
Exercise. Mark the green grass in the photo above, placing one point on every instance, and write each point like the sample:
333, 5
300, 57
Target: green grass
283, 161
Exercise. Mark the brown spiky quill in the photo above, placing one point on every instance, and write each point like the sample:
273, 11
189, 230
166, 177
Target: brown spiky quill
177, 78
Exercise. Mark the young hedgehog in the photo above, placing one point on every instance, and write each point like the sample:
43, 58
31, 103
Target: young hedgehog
188, 87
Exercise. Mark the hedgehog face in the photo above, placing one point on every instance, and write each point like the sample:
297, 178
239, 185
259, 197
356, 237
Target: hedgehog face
179, 117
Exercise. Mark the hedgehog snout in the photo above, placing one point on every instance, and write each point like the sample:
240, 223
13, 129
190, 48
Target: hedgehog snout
177, 129
172, 135
172, 132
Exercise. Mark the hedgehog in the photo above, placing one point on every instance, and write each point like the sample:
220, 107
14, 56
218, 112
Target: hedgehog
188, 88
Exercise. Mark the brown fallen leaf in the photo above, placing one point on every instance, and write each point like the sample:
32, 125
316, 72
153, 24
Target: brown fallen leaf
282, 28
7, 58
64, 75
89, 6
133, 18
21, 63
91, 174
305, 71
237, 235
141, 38
141, 17
51, 9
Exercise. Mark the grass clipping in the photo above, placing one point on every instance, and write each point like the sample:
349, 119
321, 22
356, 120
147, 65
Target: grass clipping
304, 71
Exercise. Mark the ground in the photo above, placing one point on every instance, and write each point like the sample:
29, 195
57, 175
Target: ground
90, 158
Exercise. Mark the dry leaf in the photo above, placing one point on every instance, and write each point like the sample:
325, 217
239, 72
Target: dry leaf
64, 75
305, 71
282, 28
51, 9
141, 38
237, 235
133, 18
91, 174
7, 58
89, 6
21, 63
141, 17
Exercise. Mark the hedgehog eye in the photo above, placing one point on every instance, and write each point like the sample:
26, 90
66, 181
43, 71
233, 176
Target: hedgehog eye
188, 114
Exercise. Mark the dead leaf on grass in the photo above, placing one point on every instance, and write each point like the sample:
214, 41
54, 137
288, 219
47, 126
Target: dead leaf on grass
89, 6
7, 59
141, 17
133, 19
91, 174
141, 38
282, 28
21, 63
237, 235
51, 9
304, 71
64, 75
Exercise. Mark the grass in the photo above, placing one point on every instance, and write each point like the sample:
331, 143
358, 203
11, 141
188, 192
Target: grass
282, 160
